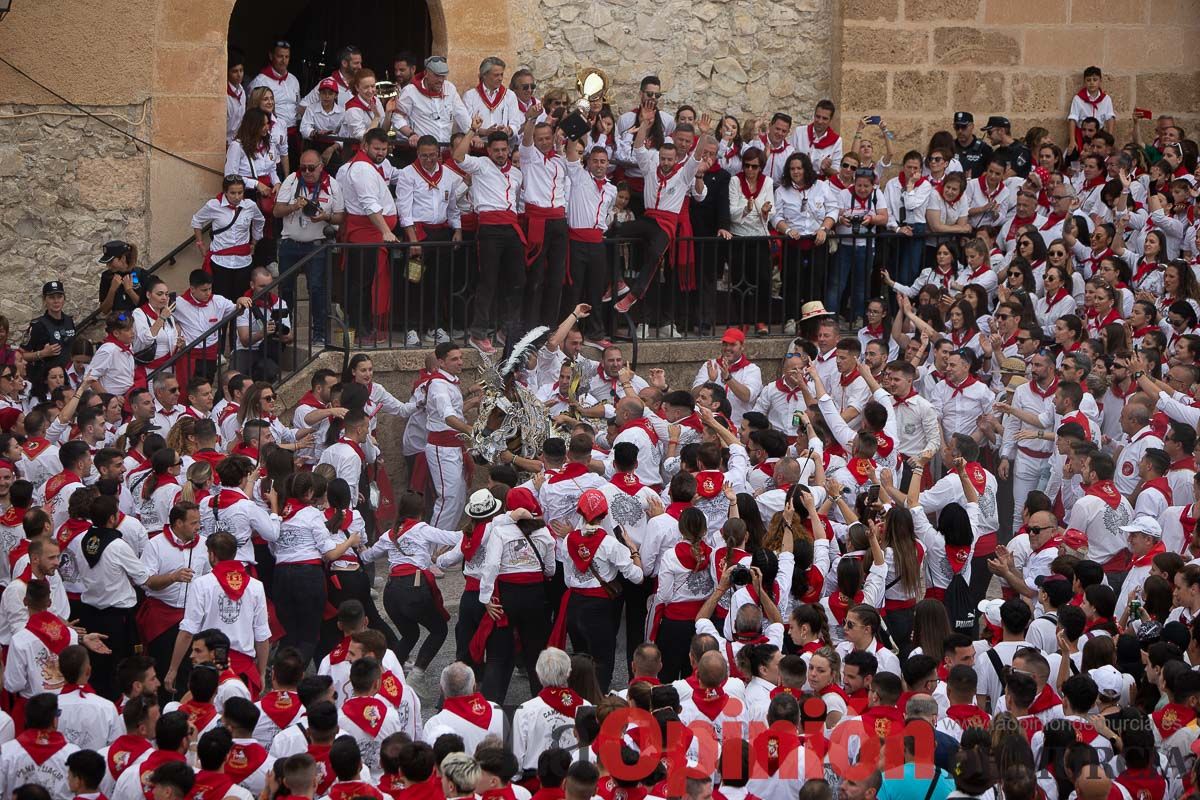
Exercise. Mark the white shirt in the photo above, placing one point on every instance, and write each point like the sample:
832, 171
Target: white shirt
88, 720
960, 409
803, 209
1102, 524
746, 211
494, 108
804, 140
302, 537
749, 375
243, 518
318, 122
1126, 476
493, 188
438, 116
774, 156
298, 226
32, 667
357, 117
665, 193
589, 201
368, 743
162, 557
774, 401
348, 464
911, 199
114, 367
1099, 107
544, 177
854, 394
624, 130
472, 734
537, 727
365, 190
255, 318
110, 583
246, 228
979, 193
14, 615
428, 200
260, 168
287, 95
243, 620
235, 110
18, 768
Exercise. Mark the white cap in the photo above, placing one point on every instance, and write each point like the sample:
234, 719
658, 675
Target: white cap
1144, 524
1108, 680
990, 610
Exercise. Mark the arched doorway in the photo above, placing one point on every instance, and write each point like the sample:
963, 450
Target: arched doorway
317, 30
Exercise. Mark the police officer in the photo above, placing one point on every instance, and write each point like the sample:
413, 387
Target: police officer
48, 342
999, 133
973, 153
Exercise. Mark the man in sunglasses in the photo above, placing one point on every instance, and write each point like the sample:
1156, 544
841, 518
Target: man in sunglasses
648, 98
973, 153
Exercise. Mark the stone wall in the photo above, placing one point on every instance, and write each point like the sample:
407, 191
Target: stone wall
916, 62
747, 57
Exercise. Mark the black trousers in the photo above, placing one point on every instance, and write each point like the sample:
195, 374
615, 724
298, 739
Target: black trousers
525, 607
120, 630
426, 303
675, 640
592, 625
470, 614
299, 595
636, 596
408, 600
750, 275
590, 271
654, 243
501, 280
352, 585
900, 626
230, 283
544, 284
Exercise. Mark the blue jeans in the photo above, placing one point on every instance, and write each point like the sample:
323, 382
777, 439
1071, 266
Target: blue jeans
852, 268
912, 254
290, 252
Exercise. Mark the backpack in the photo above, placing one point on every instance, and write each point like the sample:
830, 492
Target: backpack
959, 608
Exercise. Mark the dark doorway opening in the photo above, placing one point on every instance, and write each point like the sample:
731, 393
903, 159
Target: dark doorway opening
317, 30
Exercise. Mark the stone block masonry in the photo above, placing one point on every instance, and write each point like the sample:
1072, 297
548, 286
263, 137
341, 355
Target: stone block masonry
67, 184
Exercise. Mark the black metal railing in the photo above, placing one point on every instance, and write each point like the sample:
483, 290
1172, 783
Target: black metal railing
385, 296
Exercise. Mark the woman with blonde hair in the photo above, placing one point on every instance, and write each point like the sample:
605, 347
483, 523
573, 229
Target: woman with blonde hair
199, 481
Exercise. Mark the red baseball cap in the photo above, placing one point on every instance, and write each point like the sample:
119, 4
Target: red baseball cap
734, 335
592, 505
521, 497
327, 85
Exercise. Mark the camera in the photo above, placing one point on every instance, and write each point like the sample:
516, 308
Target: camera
279, 317
739, 575
311, 208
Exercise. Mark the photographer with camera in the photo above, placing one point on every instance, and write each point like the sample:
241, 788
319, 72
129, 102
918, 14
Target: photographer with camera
861, 208
263, 330
309, 202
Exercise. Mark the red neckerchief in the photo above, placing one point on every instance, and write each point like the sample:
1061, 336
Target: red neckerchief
349, 790
502, 793
563, 700
883, 721
84, 689
1061, 294
418, 83
899, 401
1162, 485
772, 150
227, 497
243, 760
13, 516
849, 378
472, 541
839, 605
1144, 268
1050, 544
232, 577
358, 102
582, 547
961, 336
391, 688
311, 399
1098, 622
683, 551
875, 331
338, 654
165, 479
270, 72
710, 701
570, 471
883, 444
199, 714
267, 300
859, 469
1083, 95
987, 193
50, 631
747, 192
60, 482
674, 510
293, 507
211, 785
367, 713
492, 105
124, 751
1046, 700
233, 91
959, 388
740, 364
644, 424
362, 157
904, 181
1019, 222
1141, 783
968, 716
827, 138
709, 483
1099, 180
403, 528
1106, 491
788, 392
627, 482
473, 708
282, 707
1172, 717
175, 542
1052, 220
719, 558
41, 744
356, 447
110, 339
432, 181
1159, 547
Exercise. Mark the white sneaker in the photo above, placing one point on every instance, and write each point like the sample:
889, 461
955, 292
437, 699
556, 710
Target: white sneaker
669, 331
440, 336
413, 339
789, 327
643, 331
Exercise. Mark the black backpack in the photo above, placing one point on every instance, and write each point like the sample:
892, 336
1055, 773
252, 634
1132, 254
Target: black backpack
959, 608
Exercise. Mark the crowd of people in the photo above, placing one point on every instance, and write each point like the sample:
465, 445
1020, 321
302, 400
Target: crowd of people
795, 562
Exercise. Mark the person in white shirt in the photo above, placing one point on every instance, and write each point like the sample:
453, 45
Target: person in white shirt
370, 218
248, 763
351, 454
493, 102
671, 177
113, 369
547, 719
235, 95
1135, 423
44, 557
349, 62
230, 598
859, 208
495, 190
464, 712
1090, 102
307, 201
1099, 514
445, 420
237, 224
906, 196
109, 570
323, 120
264, 330
988, 198
39, 756
231, 509
283, 85
544, 190
85, 718
819, 141
590, 199
425, 202
733, 371
431, 106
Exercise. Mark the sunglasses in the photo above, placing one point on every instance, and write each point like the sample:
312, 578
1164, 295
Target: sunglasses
1015, 275
1034, 529
1021, 339
310, 167
1004, 316
849, 165
653, 95
936, 159
527, 87
268, 398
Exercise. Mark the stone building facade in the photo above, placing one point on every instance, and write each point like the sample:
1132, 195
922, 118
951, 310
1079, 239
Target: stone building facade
155, 69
